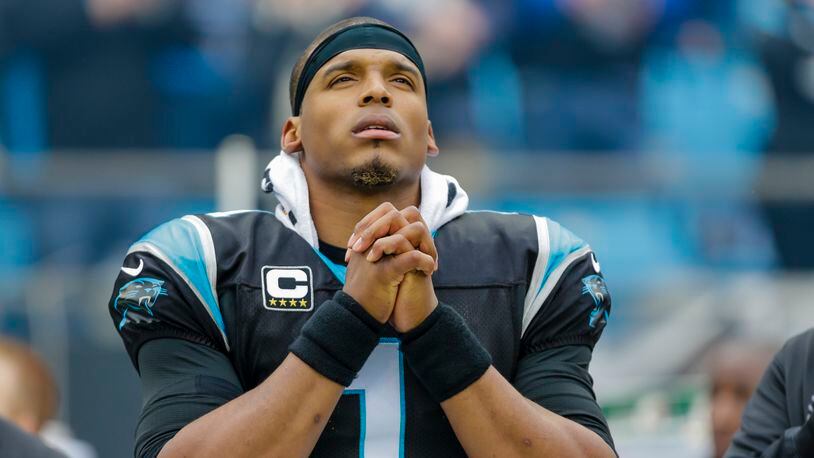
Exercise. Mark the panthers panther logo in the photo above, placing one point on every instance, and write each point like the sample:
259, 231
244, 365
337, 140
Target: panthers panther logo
137, 298
594, 286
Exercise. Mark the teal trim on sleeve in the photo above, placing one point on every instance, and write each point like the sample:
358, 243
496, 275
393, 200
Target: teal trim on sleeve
562, 242
180, 242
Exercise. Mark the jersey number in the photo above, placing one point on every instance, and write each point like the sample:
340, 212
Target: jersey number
380, 387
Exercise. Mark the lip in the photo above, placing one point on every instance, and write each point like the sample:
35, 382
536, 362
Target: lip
388, 130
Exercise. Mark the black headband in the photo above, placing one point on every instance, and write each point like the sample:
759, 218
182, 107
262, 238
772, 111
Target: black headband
362, 36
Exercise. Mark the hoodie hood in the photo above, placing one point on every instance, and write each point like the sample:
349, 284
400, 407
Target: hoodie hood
442, 198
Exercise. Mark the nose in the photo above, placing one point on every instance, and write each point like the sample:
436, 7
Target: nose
375, 91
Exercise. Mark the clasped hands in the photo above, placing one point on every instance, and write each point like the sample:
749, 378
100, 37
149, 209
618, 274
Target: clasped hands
391, 258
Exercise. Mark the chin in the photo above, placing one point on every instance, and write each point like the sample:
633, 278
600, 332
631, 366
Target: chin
374, 173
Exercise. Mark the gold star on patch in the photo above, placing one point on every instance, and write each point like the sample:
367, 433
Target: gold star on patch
273, 302
283, 303
303, 302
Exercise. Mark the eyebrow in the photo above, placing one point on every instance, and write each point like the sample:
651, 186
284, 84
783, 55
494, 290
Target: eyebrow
402, 67
353, 64
341, 67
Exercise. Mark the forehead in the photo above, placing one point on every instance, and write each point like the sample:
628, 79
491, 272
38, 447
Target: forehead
369, 57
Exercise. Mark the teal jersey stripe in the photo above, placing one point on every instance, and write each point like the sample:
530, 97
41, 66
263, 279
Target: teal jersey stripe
180, 242
562, 242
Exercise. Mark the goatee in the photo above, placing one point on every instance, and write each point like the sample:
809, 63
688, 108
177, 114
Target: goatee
374, 174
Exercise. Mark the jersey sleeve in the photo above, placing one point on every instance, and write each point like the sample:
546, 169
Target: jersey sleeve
567, 302
166, 289
558, 380
565, 311
181, 382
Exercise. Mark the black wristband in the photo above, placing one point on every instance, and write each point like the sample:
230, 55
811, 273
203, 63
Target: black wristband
337, 340
444, 354
805, 438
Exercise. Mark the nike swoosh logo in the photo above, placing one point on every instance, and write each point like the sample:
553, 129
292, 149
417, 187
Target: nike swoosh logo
595, 263
133, 271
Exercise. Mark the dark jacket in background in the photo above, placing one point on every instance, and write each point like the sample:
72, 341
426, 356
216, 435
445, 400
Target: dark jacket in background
777, 422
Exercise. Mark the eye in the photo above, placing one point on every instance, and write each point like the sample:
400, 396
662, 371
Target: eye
403, 80
341, 79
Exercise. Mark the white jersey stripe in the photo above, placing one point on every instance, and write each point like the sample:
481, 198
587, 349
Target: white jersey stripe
551, 282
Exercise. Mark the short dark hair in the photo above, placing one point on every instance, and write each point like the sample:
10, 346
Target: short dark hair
296, 72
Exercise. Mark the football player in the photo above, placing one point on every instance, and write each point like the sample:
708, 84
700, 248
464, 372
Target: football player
370, 314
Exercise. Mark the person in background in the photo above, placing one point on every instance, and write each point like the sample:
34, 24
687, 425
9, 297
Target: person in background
28, 393
29, 400
787, 55
578, 62
734, 368
777, 422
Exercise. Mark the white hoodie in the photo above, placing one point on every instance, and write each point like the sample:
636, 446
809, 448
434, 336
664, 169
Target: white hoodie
442, 198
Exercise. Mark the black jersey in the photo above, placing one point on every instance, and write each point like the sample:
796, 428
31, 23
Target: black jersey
244, 284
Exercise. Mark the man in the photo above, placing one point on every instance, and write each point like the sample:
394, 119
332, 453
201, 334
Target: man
28, 392
778, 421
28, 399
446, 333
734, 368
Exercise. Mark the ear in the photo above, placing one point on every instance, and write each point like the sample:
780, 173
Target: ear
432, 147
290, 140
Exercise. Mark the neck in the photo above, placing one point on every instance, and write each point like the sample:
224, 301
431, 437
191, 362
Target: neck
336, 211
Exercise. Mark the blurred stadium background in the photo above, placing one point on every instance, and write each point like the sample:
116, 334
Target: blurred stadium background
673, 135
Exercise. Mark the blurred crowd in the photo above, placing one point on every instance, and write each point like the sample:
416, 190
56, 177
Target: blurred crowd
723, 84
701, 91
582, 75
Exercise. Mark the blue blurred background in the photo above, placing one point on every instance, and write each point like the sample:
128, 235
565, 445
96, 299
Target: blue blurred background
675, 136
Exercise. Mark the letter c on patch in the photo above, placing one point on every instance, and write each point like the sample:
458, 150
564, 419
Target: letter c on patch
277, 279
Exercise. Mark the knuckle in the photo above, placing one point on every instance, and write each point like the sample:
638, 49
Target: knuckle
418, 229
412, 213
383, 244
369, 232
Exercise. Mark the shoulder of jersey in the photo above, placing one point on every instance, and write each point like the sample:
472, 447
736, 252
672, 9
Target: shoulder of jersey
188, 246
504, 245
515, 231
541, 249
